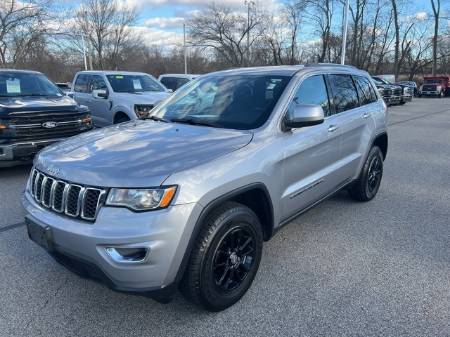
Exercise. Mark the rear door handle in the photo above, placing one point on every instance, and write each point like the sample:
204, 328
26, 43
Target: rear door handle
365, 115
332, 128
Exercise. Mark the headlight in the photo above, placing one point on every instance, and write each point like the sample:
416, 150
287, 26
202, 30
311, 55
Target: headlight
141, 199
142, 110
4, 124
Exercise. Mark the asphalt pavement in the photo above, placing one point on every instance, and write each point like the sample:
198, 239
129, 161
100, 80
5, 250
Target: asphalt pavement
342, 269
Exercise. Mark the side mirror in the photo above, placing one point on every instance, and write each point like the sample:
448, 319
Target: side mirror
100, 93
303, 115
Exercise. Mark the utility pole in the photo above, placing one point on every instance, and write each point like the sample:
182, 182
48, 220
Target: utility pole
184, 47
344, 32
84, 51
249, 4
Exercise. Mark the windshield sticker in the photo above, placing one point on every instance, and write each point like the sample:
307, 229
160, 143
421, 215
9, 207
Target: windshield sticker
13, 86
119, 77
137, 85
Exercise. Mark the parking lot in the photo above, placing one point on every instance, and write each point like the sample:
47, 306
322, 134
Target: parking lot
342, 269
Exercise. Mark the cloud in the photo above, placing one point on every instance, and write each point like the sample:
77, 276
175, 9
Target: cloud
160, 37
164, 22
421, 16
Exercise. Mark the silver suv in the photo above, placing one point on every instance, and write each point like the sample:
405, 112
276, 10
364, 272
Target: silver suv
186, 198
114, 97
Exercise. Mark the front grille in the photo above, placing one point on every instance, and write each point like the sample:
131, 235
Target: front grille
429, 87
63, 197
30, 125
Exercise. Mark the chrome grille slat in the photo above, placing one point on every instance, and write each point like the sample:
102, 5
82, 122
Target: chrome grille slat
60, 196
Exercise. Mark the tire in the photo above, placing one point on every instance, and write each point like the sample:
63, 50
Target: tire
225, 257
402, 103
121, 119
366, 187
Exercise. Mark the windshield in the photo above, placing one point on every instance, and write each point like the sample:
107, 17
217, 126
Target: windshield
17, 84
234, 102
380, 80
133, 83
433, 82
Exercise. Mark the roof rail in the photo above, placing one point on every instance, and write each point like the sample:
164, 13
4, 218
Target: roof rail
329, 65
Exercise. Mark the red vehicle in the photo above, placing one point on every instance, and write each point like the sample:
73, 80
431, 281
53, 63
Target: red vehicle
435, 86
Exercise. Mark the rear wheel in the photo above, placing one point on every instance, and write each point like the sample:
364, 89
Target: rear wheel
368, 183
225, 258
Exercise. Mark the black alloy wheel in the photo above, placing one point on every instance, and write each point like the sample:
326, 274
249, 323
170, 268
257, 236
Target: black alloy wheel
225, 257
366, 187
233, 258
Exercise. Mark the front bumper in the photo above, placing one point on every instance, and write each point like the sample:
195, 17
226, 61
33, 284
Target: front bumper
11, 154
165, 233
390, 100
406, 98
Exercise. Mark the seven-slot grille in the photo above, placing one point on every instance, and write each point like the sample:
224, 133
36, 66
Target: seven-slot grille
63, 197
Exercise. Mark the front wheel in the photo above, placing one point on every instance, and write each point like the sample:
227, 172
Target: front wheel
368, 183
225, 258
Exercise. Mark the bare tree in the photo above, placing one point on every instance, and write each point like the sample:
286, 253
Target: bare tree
106, 25
223, 30
21, 26
321, 13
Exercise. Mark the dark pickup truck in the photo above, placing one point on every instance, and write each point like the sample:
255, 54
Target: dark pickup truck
33, 114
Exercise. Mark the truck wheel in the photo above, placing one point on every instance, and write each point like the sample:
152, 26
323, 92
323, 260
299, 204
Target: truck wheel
365, 188
121, 118
225, 257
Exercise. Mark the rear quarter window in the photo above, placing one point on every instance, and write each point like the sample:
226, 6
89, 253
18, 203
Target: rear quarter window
344, 94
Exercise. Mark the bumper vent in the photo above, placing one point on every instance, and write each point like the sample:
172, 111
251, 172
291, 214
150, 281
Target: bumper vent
63, 197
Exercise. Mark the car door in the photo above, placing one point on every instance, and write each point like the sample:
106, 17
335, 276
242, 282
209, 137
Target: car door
100, 105
309, 153
352, 100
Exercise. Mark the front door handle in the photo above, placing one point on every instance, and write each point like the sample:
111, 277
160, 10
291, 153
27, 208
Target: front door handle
365, 115
332, 128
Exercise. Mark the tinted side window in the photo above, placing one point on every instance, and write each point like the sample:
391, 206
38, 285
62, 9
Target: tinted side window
169, 83
344, 92
81, 83
313, 91
365, 90
97, 82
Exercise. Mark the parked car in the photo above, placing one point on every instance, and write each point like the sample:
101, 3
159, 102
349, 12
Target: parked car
435, 86
64, 87
34, 113
406, 92
175, 81
115, 97
187, 197
411, 84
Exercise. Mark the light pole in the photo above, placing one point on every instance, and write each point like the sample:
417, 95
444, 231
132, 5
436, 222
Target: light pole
184, 47
84, 52
344, 32
249, 4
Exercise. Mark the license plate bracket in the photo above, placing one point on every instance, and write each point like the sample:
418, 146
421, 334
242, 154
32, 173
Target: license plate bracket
42, 236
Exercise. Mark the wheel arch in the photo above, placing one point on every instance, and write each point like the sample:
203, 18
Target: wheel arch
252, 196
381, 141
119, 114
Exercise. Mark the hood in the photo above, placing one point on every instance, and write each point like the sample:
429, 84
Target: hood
29, 103
148, 97
137, 154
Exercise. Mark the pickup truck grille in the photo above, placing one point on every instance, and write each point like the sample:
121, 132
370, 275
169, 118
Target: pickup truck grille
35, 126
66, 198
429, 87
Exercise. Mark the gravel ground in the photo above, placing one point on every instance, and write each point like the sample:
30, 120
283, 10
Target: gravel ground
342, 269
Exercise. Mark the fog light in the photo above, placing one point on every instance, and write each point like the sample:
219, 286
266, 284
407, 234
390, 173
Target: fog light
128, 255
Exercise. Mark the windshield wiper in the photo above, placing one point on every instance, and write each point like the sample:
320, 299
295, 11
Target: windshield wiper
193, 121
158, 119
